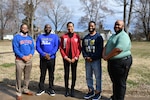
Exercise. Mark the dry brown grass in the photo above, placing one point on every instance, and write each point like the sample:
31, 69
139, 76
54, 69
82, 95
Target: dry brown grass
138, 80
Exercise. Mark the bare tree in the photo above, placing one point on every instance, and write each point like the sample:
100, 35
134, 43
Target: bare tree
6, 14
143, 18
57, 13
127, 12
94, 11
127, 15
30, 7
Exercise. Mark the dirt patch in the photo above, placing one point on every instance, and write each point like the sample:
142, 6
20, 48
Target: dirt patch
7, 92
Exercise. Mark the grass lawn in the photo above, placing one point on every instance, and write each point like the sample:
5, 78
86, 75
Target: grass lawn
138, 82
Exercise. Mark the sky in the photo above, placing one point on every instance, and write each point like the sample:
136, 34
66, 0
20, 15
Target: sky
75, 6
108, 21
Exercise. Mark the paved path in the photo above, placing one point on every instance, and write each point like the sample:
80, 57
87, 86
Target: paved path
7, 92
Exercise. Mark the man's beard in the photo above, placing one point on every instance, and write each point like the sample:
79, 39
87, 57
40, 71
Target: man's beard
47, 32
91, 30
24, 32
118, 31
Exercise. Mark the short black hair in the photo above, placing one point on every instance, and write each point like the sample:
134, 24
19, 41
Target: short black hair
46, 25
22, 25
92, 22
70, 23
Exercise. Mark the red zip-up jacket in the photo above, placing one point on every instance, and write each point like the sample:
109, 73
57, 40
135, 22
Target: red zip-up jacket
75, 45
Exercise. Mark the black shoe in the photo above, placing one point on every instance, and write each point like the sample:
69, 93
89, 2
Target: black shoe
51, 92
66, 93
40, 92
72, 92
89, 95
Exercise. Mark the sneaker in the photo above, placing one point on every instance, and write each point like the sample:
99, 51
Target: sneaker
89, 95
51, 92
97, 96
40, 92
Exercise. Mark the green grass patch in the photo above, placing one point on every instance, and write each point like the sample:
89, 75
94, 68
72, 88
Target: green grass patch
7, 65
141, 49
81, 60
58, 78
132, 83
62, 68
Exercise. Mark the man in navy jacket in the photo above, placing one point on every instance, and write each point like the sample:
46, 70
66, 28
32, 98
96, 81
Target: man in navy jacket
92, 46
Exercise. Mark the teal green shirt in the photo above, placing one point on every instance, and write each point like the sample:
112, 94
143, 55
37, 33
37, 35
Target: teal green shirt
121, 41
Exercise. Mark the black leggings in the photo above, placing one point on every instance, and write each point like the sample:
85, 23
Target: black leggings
67, 70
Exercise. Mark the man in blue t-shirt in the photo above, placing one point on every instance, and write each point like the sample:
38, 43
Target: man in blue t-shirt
117, 53
47, 45
23, 47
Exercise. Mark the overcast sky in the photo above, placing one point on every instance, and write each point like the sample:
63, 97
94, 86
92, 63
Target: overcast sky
108, 22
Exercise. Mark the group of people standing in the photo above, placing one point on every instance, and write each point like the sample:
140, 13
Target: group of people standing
116, 52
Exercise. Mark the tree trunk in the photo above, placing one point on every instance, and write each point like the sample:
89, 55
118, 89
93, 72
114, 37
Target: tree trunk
148, 22
2, 33
32, 31
129, 16
124, 14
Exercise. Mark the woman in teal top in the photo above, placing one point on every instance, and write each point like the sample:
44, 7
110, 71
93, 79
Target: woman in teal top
118, 55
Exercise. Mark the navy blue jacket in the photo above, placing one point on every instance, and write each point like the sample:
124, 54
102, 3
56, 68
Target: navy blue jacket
92, 46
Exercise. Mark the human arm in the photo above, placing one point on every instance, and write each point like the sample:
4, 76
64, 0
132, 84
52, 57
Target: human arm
78, 49
83, 49
16, 49
55, 45
62, 48
38, 47
113, 53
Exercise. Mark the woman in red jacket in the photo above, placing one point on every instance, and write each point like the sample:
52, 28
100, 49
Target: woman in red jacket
70, 50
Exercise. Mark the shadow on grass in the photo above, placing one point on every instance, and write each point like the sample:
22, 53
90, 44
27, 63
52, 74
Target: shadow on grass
8, 87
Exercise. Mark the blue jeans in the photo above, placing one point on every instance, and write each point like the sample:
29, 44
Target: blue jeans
94, 67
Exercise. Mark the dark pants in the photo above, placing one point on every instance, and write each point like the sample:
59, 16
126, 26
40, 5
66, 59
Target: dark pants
118, 71
66, 73
44, 65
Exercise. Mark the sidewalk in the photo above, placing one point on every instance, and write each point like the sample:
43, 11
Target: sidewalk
8, 93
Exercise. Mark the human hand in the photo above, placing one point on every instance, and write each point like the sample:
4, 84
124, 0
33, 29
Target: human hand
25, 58
30, 56
88, 59
68, 59
105, 58
47, 56
73, 60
